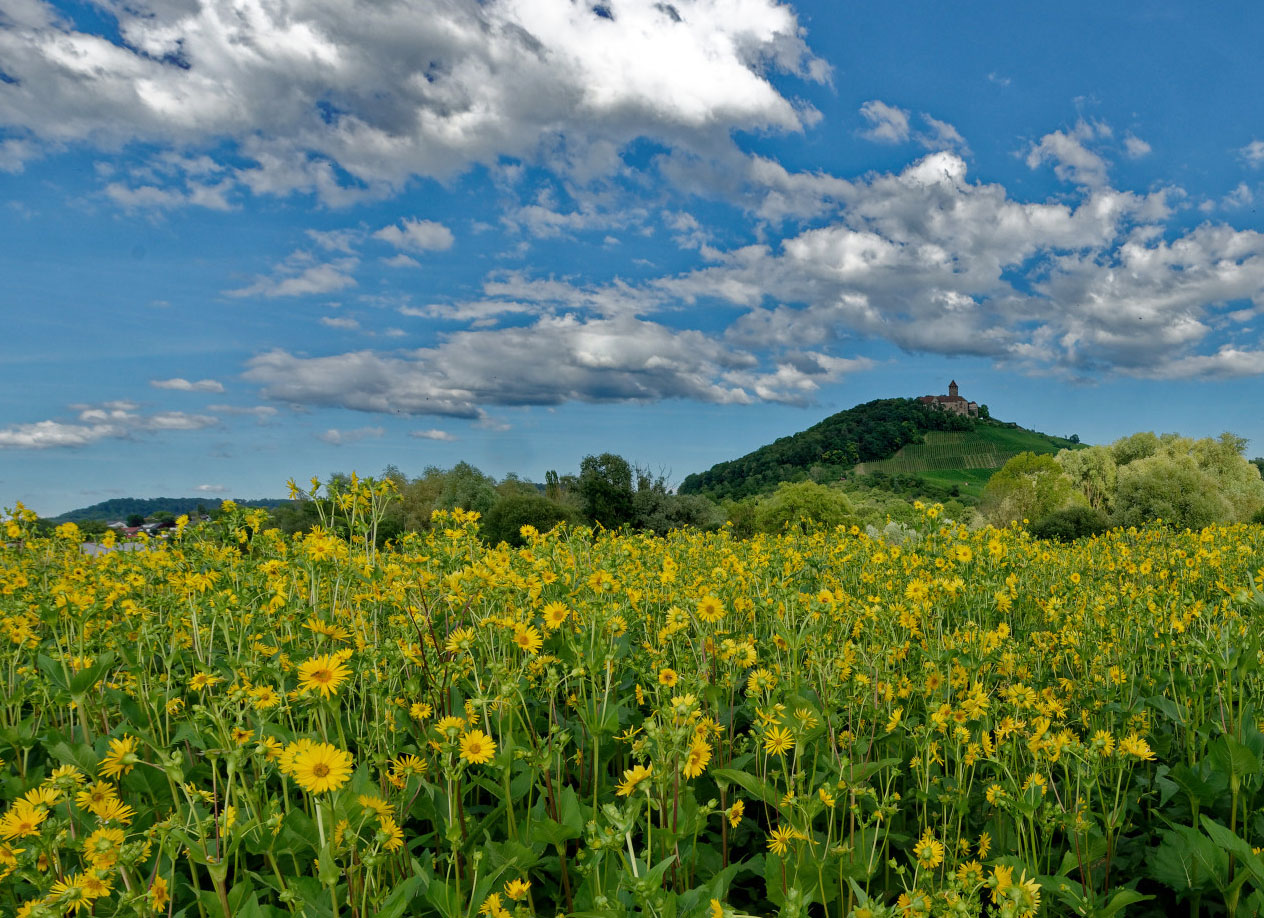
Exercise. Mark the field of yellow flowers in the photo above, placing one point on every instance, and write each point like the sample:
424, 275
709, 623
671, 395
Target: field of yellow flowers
236, 723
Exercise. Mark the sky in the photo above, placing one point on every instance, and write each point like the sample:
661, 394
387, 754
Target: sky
253, 240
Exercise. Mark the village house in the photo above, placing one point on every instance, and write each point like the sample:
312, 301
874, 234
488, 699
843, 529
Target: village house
952, 402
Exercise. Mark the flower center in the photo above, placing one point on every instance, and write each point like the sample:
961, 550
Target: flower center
320, 770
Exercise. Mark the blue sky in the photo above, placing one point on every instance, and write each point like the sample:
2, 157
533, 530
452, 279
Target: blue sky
247, 241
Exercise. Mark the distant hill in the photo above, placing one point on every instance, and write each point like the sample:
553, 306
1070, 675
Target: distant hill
965, 458
120, 508
896, 436
830, 449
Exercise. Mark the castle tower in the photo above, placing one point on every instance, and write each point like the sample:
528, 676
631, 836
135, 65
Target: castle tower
952, 389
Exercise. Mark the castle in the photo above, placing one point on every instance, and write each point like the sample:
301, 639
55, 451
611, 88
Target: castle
951, 402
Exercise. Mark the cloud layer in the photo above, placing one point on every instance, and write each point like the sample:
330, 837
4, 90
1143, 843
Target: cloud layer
355, 98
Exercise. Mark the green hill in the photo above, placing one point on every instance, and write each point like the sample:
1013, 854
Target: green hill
827, 450
964, 458
887, 437
119, 508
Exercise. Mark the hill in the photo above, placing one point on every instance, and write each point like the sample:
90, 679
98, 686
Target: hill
966, 459
827, 450
119, 508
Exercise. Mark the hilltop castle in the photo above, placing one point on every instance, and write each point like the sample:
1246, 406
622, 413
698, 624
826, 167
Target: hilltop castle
951, 402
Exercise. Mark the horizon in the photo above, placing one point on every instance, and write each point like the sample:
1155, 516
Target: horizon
671, 232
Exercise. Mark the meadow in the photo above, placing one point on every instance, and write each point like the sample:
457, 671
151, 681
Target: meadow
243, 723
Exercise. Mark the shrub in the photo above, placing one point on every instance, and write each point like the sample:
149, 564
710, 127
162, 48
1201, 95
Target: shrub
1070, 524
505, 520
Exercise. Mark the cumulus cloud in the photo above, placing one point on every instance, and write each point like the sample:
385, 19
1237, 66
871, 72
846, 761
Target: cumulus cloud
416, 235
433, 434
887, 123
302, 275
262, 412
346, 323
180, 384
1069, 152
933, 262
1253, 153
93, 423
555, 360
1135, 147
211, 488
353, 99
336, 437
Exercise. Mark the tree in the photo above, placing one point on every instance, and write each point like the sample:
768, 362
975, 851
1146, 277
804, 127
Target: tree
1094, 472
505, 520
605, 488
1171, 488
1027, 487
660, 511
134, 520
805, 504
466, 488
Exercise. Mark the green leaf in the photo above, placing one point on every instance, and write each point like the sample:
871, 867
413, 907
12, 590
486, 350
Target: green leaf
83, 680
1230, 842
1233, 758
749, 783
1120, 901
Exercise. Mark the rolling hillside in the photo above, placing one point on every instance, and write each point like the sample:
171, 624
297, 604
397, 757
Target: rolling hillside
964, 458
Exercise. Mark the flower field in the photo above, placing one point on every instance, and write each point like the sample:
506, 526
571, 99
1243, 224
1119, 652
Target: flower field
239, 723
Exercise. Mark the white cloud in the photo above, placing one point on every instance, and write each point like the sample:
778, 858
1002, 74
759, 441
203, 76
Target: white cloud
336, 437
887, 123
1253, 153
183, 385
384, 92
401, 261
1072, 160
417, 235
555, 360
1241, 196
433, 434
211, 488
1135, 147
934, 263
93, 423
262, 412
345, 323
940, 135
301, 275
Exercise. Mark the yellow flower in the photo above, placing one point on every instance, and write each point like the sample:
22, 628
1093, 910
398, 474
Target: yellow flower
779, 840
1135, 746
554, 615
528, 638
699, 756
322, 767
376, 804
202, 681
159, 895
477, 747
929, 851
667, 676
120, 759
394, 834
735, 813
517, 889
102, 847
323, 674
778, 741
632, 779
23, 819
710, 609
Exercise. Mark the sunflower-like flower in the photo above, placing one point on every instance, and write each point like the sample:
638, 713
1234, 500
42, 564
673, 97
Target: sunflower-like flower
477, 747
323, 674
321, 767
120, 759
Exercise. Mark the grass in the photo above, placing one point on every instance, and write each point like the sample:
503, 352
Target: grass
965, 458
